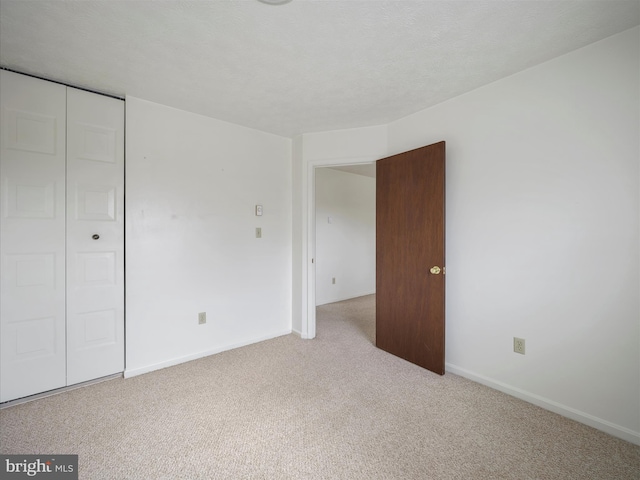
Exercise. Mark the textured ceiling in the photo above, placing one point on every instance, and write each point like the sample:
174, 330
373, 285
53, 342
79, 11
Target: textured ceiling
309, 65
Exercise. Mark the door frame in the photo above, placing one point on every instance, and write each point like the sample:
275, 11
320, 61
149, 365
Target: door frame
308, 326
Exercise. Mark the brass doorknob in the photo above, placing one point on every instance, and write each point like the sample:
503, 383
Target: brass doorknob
435, 270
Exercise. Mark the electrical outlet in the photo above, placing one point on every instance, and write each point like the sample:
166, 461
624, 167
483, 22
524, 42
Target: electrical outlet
333, 280
258, 232
202, 318
518, 345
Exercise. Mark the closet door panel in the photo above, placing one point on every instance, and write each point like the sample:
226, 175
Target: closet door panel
32, 235
95, 236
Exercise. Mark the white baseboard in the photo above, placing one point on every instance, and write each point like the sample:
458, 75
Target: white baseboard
342, 299
595, 422
128, 373
49, 393
300, 334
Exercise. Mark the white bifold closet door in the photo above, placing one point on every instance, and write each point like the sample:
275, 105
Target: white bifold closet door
62, 236
95, 236
33, 236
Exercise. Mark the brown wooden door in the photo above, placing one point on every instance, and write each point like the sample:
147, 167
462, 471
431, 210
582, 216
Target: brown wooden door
410, 197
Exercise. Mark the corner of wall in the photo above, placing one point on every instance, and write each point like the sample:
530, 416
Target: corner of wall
297, 229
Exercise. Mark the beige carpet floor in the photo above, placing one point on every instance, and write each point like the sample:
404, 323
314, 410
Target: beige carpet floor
331, 408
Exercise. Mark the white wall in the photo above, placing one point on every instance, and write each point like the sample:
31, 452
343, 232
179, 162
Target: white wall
346, 246
191, 186
542, 231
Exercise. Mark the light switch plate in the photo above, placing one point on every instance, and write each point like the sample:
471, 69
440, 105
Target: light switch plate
258, 210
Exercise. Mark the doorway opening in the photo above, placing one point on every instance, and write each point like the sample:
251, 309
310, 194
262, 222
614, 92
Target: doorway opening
346, 163
409, 260
345, 233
